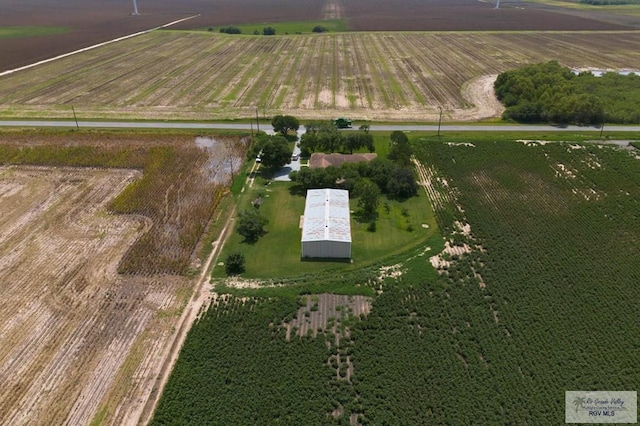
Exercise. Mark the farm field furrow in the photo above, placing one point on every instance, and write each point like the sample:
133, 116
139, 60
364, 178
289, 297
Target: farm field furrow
377, 76
68, 319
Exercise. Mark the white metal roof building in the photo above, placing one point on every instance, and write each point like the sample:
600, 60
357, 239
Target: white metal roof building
326, 227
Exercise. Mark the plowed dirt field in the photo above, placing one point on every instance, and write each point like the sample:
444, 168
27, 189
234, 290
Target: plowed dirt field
77, 341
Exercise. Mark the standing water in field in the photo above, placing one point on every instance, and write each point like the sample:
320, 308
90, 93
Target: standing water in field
224, 158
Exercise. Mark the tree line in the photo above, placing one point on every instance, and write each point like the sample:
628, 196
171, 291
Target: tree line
392, 176
236, 30
323, 136
550, 93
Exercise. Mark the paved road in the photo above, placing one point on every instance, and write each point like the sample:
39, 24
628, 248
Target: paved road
248, 126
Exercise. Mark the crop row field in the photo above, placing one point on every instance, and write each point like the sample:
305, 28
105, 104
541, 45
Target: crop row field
86, 24
548, 245
99, 234
376, 76
75, 338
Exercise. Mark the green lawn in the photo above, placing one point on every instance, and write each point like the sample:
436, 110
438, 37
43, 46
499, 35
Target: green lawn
277, 254
15, 32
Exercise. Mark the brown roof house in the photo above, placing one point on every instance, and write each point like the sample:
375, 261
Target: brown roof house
320, 160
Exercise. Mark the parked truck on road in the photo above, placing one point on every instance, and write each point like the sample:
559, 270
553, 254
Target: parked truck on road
342, 123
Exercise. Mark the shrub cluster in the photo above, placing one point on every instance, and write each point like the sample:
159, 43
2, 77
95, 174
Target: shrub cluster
392, 179
231, 30
550, 93
325, 137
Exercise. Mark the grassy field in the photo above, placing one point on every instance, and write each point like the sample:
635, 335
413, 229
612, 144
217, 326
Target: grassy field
366, 76
16, 32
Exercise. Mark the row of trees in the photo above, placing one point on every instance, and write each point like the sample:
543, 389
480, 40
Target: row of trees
236, 30
323, 136
265, 30
392, 179
554, 94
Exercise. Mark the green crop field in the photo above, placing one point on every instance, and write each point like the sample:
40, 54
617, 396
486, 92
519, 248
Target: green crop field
535, 294
15, 32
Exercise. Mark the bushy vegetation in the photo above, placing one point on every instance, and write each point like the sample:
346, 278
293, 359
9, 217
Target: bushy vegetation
284, 124
554, 94
234, 264
230, 30
560, 256
251, 224
393, 180
319, 29
236, 368
274, 151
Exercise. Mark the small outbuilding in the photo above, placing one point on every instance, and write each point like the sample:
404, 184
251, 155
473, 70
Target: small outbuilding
326, 226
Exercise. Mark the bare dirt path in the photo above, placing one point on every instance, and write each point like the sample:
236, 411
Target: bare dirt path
479, 93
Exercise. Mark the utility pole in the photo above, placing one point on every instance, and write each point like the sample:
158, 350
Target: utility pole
257, 120
439, 120
75, 118
230, 159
